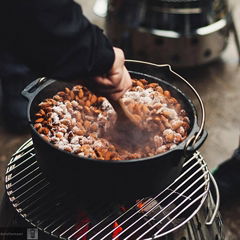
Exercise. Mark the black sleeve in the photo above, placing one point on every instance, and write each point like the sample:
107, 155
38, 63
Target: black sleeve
54, 38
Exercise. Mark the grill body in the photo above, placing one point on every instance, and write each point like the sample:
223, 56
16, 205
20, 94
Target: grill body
184, 210
182, 33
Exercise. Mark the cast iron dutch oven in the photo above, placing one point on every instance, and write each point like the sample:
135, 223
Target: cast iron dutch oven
116, 180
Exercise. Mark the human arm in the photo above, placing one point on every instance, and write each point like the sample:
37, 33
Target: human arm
55, 39
117, 81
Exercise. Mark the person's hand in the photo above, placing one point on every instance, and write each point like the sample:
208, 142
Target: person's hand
117, 81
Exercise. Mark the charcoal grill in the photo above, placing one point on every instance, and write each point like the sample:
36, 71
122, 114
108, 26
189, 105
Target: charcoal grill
184, 210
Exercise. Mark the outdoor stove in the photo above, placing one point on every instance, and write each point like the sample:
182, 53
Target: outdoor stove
182, 33
184, 210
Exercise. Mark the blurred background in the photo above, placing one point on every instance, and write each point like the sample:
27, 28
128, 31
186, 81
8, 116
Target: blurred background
209, 60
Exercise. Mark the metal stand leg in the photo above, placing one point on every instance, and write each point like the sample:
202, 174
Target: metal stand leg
237, 40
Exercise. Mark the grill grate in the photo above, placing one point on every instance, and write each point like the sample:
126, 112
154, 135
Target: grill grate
59, 214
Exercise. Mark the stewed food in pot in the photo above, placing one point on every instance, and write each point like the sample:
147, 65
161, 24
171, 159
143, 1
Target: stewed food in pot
77, 121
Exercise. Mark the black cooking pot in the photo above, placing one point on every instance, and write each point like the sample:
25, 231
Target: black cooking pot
115, 180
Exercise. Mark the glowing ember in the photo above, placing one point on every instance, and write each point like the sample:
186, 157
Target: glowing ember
82, 227
117, 230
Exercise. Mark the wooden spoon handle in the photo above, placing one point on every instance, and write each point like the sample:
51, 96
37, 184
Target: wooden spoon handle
123, 114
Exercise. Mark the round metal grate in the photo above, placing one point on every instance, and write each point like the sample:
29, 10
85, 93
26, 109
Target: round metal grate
60, 215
